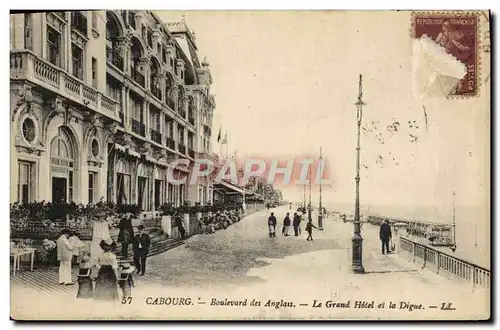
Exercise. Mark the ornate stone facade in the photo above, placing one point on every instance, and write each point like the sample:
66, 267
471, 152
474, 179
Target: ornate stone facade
99, 109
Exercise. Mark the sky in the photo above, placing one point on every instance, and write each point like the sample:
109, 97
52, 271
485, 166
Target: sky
286, 83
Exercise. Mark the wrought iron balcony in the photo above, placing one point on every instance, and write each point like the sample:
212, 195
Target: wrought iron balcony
137, 77
170, 143
113, 56
156, 136
182, 148
138, 127
79, 22
191, 153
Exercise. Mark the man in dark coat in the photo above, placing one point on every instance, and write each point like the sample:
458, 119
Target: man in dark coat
286, 224
385, 236
296, 224
141, 245
126, 234
271, 222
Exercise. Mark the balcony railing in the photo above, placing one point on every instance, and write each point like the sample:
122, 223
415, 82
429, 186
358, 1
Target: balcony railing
182, 149
191, 119
113, 56
138, 127
207, 130
156, 136
444, 263
156, 92
191, 153
137, 77
170, 143
27, 66
79, 22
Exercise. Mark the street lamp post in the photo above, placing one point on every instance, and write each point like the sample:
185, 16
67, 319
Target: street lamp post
357, 240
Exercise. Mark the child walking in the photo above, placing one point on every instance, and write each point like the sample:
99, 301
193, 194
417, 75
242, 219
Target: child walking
309, 228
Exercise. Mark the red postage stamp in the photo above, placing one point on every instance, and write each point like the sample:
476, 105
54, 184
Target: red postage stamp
457, 34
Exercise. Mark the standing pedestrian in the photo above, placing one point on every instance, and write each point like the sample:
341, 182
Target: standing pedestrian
286, 224
296, 224
126, 234
106, 287
141, 246
385, 236
271, 222
65, 256
309, 228
77, 244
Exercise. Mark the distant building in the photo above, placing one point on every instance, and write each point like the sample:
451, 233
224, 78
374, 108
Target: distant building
101, 103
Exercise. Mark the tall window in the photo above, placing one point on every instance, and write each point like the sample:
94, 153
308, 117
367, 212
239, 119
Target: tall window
94, 72
92, 186
170, 190
131, 19
156, 121
150, 37
77, 58
25, 183
94, 20
181, 135
170, 128
53, 46
27, 31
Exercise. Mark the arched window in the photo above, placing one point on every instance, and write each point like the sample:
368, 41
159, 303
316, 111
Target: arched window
62, 159
113, 34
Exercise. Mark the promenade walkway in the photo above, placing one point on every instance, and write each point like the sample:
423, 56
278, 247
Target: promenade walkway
290, 277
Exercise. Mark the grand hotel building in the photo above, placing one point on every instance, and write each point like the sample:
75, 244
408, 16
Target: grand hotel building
101, 103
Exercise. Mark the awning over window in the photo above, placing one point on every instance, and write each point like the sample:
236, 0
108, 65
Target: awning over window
228, 188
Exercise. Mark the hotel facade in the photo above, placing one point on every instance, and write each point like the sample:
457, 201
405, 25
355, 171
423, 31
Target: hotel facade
101, 103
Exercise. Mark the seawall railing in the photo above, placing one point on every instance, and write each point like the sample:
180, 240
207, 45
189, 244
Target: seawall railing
445, 264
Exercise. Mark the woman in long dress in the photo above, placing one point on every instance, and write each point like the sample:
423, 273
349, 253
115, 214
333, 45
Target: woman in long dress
100, 232
106, 284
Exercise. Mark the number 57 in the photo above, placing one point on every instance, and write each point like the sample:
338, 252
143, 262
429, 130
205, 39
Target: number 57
126, 300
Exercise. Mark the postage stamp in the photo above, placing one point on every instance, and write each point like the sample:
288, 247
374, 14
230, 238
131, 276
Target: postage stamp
457, 34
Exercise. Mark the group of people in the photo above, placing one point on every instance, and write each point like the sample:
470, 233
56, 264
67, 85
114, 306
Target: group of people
297, 219
101, 264
212, 222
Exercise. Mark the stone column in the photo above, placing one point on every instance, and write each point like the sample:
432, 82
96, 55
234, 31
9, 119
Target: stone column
146, 119
124, 45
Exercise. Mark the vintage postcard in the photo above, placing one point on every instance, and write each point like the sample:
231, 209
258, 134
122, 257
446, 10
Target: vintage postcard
250, 165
